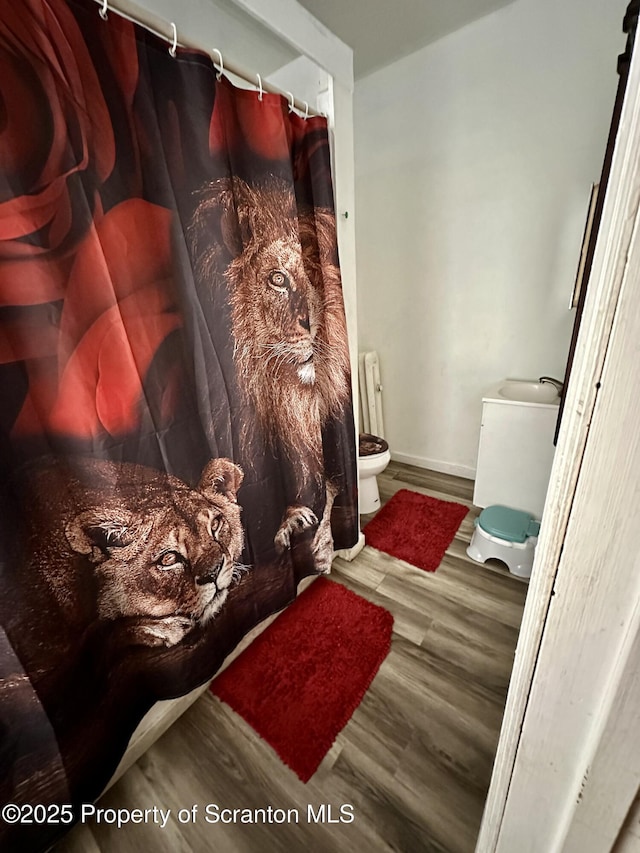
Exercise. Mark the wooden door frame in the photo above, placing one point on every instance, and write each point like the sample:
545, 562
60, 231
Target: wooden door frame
606, 324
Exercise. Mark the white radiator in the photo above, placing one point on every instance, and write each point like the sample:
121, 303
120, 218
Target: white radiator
370, 393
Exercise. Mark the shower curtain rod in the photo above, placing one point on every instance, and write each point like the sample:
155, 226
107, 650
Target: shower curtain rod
149, 21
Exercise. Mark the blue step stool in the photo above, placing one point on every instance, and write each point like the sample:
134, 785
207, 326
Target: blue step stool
505, 534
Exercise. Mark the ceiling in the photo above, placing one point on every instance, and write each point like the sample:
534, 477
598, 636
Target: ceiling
381, 31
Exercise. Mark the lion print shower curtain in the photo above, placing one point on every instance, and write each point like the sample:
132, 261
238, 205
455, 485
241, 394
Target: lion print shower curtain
176, 429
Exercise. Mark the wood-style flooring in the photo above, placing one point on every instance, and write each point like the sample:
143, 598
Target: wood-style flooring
415, 759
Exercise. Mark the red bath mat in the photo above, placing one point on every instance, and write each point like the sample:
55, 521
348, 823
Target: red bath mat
415, 528
300, 681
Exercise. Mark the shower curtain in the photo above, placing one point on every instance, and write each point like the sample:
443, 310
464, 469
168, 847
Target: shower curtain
176, 429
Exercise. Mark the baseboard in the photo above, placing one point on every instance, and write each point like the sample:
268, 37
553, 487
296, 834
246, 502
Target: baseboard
465, 471
349, 554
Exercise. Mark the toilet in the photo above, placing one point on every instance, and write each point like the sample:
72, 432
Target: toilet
373, 457
505, 534
373, 451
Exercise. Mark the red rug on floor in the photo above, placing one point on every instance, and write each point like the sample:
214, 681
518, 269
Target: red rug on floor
299, 682
415, 528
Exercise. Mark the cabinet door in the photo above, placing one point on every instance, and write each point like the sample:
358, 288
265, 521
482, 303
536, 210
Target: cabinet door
515, 455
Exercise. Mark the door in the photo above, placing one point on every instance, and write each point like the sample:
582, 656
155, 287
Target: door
568, 764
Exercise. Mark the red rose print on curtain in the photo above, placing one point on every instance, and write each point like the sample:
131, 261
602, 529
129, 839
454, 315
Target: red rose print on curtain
264, 127
118, 309
48, 83
239, 114
91, 295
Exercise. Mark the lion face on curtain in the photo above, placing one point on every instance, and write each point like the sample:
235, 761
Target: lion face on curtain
288, 325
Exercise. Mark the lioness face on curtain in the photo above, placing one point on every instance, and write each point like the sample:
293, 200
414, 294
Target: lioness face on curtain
176, 426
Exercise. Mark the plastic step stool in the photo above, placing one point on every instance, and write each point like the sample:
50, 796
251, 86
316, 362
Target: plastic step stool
505, 534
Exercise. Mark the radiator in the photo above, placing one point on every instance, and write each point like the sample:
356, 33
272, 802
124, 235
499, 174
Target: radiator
370, 393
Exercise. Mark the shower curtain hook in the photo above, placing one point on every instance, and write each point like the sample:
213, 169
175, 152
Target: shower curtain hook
172, 49
104, 10
260, 85
306, 110
220, 63
292, 103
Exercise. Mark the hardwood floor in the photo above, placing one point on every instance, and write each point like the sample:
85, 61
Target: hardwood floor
415, 759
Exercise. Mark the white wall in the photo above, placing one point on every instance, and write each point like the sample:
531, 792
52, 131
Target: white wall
214, 24
474, 159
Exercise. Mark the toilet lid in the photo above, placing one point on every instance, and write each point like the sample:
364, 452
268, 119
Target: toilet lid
370, 445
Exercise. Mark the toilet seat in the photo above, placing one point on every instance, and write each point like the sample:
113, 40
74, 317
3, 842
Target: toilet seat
371, 445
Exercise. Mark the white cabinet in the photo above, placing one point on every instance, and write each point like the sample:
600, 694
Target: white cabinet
515, 453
